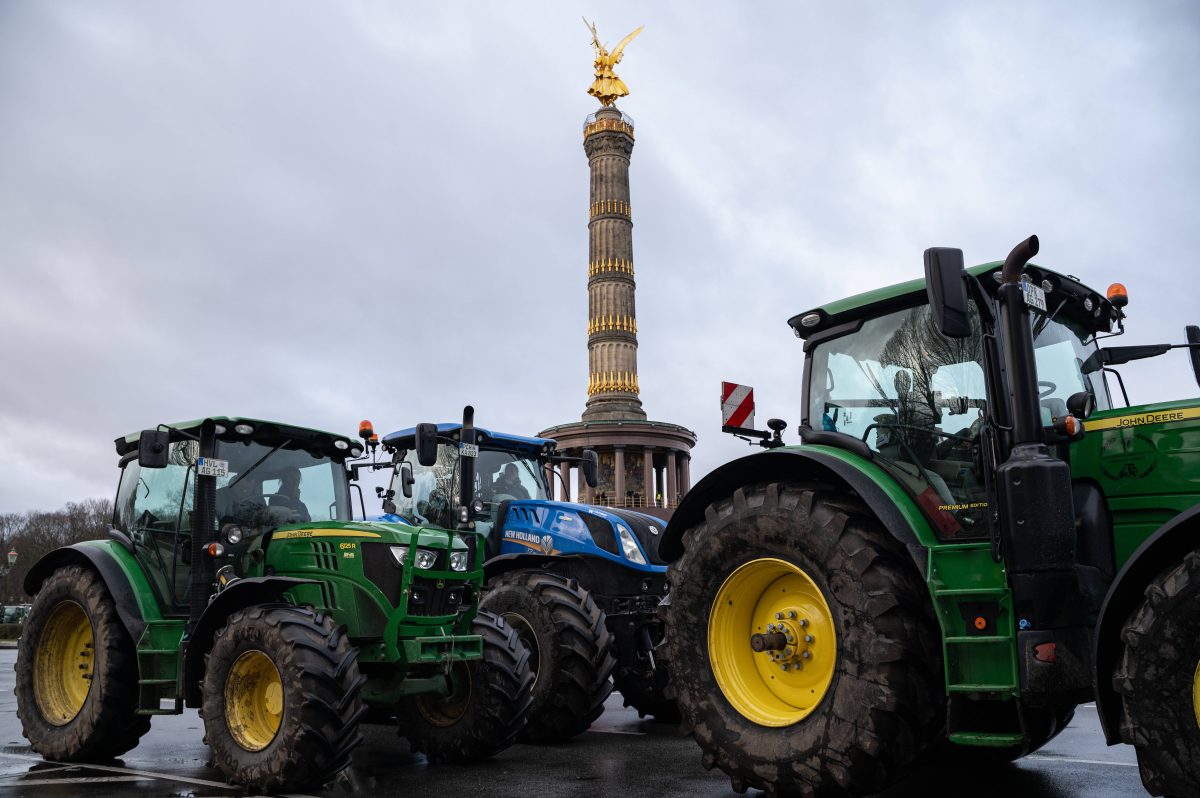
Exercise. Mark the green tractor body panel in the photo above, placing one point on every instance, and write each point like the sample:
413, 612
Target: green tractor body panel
1146, 460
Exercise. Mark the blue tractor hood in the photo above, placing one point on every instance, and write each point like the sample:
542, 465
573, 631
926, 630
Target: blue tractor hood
557, 528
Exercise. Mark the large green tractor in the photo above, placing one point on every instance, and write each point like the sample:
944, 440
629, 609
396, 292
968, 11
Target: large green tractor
949, 562
234, 580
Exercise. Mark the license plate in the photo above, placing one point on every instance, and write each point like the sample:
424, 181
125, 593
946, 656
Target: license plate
468, 450
212, 467
1035, 297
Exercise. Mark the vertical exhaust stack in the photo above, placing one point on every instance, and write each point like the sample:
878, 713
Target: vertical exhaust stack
203, 529
466, 464
1037, 519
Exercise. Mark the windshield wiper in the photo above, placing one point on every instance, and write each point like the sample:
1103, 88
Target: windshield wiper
1044, 321
257, 463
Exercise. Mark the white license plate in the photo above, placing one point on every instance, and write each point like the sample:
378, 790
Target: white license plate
1035, 297
212, 467
468, 450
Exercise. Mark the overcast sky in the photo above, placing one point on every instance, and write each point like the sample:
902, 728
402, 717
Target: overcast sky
320, 212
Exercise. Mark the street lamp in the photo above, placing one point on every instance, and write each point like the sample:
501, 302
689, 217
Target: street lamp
12, 560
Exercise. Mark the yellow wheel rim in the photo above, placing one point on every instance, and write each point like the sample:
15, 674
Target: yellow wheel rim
253, 700
1196, 693
783, 683
444, 711
62, 672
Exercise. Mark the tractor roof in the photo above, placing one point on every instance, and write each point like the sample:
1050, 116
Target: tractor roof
901, 295
405, 439
270, 433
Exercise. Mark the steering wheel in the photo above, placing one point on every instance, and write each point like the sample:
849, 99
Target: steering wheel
1047, 388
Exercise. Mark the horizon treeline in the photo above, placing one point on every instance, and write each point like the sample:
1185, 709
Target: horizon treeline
37, 532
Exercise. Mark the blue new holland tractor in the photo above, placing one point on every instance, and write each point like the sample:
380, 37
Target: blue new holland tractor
580, 584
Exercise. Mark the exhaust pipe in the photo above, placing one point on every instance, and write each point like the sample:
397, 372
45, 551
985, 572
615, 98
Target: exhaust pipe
1021, 254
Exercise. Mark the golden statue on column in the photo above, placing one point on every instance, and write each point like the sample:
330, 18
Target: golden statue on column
607, 87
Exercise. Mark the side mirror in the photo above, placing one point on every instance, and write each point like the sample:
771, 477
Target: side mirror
406, 480
153, 448
1193, 337
590, 463
947, 291
1081, 404
427, 444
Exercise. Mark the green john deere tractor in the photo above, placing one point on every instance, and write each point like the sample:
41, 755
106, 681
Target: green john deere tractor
970, 541
234, 580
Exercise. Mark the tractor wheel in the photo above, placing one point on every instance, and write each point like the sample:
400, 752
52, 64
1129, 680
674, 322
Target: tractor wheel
77, 673
803, 649
487, 704
1158, 678
570, 647
648, 694
281, 698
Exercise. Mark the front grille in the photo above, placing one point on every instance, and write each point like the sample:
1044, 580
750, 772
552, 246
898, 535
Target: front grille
429, 596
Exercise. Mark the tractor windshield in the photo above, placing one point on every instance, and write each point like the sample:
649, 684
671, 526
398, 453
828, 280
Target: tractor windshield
270, 487
918, 399
1060, 347
500, 476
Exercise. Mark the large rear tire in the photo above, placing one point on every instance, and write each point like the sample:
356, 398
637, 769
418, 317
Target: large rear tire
571, 650
1158, 678
281, 698
77, 673
487, 705
802, 645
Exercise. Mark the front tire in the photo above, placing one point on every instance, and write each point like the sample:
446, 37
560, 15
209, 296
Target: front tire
779, 571
571, 650
487, 704
77, 673
281, 698
1158, 679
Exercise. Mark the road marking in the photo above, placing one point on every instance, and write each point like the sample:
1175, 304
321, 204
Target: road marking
145, 773
83, 780
617, 731
1044, 758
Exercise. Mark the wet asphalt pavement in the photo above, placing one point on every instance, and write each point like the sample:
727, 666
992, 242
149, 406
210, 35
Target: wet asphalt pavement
619, 757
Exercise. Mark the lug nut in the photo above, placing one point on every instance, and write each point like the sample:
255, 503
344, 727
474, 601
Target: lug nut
803, 622
806, 655
791, 639
779, 616
808, 638
791, 614
783, 666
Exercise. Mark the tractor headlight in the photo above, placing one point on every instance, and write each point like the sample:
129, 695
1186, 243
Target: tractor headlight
458, 560
233, 535
425, 559
400, 553
629, 546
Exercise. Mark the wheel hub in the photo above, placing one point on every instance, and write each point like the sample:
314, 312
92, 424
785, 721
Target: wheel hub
788, 640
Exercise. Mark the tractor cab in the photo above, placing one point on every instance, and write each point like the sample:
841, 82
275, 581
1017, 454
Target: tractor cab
266, 476
882, 381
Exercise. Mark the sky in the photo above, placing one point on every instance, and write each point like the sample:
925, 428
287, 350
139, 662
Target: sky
319, 212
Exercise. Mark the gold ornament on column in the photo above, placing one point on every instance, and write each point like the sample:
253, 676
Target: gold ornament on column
607, 87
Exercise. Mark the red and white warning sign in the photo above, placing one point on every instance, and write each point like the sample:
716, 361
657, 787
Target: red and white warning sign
737, 405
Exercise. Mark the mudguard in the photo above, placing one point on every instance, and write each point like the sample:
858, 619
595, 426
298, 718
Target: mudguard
122, 574
238, 595
1167, 546
894, 508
